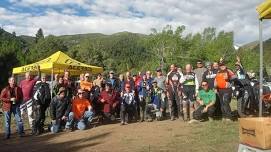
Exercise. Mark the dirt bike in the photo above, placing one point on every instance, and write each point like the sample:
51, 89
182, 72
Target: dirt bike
246, 99
247, 94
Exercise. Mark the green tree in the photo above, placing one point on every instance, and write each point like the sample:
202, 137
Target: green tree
39, 35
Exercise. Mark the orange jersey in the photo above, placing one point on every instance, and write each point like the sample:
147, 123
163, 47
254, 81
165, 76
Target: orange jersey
85, 85
79, 106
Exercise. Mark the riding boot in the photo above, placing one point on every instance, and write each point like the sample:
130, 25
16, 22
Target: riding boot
185, 114
191, 113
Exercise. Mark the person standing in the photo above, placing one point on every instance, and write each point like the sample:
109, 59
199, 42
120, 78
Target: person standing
174, 92
58, 86
161, 83
129, 80
113, 80
209, 75
155, 104
69, 85
199, 70
27, 86
128, 105
215, 67
240, 71
190, 91
223, 86
86, 85
98, 81
41, 101
55, 82
121, 83
11, 96
144, 95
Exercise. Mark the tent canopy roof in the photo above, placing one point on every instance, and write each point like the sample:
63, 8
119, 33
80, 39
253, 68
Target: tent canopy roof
59, 62
264, 10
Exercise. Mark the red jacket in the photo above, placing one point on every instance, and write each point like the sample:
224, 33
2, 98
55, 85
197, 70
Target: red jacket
109, 100
6, 95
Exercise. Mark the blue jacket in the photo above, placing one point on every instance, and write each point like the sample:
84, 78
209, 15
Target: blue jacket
156, 97
142, 88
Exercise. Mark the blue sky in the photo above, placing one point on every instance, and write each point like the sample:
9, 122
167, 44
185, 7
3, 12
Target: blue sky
60, 17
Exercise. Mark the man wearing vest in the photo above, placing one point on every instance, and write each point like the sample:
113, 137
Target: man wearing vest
223, 86
190, 90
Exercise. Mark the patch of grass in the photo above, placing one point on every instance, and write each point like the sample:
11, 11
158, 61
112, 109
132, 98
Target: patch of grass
207, 136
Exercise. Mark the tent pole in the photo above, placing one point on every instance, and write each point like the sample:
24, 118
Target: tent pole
52, 80
261, 68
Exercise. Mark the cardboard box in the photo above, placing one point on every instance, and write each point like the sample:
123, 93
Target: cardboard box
255, 132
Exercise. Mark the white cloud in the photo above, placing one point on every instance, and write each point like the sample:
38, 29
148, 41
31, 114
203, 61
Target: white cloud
138, 16
47, 2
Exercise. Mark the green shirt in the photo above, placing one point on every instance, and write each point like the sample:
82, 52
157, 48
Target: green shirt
207, 96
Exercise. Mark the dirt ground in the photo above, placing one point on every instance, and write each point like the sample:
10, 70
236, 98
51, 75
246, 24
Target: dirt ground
164, 136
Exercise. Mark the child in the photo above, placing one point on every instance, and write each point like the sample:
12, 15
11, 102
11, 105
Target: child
128, 105
155, 103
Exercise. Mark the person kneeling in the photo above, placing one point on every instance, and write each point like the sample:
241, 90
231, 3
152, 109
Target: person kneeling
59, 110
81, 114
154, 106
206, 99
128, 105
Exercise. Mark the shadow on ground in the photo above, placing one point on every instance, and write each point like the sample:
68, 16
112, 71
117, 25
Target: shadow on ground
53, 142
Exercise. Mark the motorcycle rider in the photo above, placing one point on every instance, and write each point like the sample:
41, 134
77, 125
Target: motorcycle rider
41, 101
190, 91
209, 75
174, 92
244, 89
223, 86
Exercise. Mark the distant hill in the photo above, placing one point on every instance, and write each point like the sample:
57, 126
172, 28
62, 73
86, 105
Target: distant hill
254, 46
71, 40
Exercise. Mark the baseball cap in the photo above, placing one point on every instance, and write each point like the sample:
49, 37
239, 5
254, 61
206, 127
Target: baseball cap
158, 70
61, 89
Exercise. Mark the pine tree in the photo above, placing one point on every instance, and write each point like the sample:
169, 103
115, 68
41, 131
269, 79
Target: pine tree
39, 35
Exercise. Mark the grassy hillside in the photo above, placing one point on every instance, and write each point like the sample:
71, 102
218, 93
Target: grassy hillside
254, 46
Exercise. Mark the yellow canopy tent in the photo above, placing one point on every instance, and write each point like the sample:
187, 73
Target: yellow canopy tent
58, 63
264, 11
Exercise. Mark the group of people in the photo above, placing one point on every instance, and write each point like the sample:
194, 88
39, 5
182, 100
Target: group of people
189, 94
